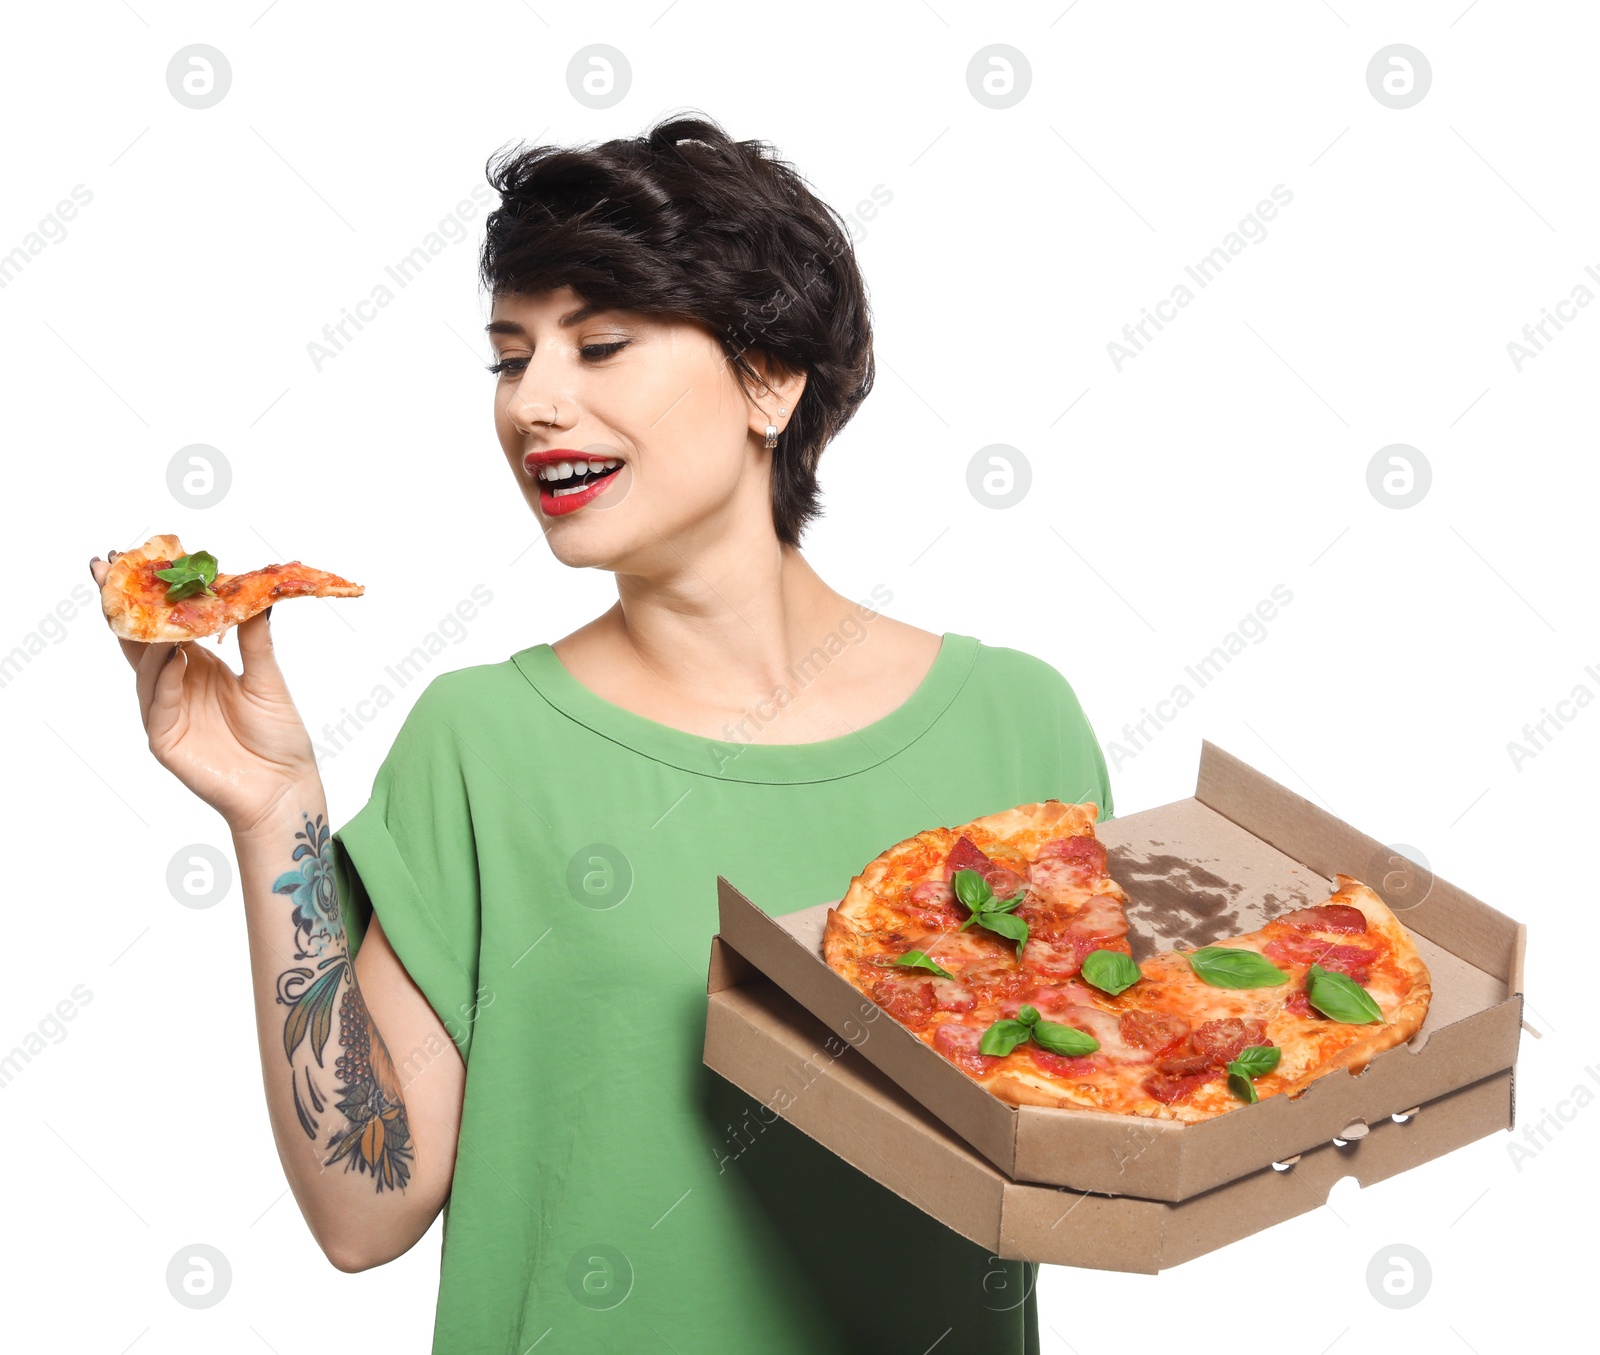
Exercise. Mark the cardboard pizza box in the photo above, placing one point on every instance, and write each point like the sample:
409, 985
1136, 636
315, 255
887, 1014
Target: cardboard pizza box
764, 1042
1242, 849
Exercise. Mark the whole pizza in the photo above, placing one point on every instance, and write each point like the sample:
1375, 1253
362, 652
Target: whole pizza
1003, 945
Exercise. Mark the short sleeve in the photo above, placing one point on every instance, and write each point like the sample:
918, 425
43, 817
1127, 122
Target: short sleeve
1037, 686
410, 854
1083, 761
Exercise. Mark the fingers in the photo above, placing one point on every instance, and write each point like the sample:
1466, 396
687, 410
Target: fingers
167, 692
150, 665
255, 651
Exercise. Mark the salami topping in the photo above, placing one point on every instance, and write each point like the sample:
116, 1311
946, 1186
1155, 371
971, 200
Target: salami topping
1003, 882
959, 1044
1326, 917
1155, 1031
965, 855
1166, 1088
1221, 1040
1101, 918
1051, 918
1063, 958
1086, 853
933, 903
1105, 1026
1049, 998
1184, 1065
1067, 1067
1296, 948
949, 996
998, 982
1298, 1003
909, 1001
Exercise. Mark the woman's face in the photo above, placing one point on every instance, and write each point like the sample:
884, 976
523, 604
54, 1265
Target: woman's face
655, 398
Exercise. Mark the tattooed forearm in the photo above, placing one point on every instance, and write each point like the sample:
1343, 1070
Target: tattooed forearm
375, 1137
308, 1121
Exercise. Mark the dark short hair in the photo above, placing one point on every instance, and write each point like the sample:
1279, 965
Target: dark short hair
684, 222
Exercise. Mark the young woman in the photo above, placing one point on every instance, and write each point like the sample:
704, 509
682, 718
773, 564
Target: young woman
490, 983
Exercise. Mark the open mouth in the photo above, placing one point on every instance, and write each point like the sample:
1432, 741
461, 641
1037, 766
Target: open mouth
572, 477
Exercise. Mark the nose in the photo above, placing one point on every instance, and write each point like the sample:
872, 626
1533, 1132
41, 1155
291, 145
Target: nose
534, 402
527, 413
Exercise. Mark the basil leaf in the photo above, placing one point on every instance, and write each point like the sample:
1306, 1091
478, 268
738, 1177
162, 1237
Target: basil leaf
1234, 967
1256, 1060
1028, 1015
189, 575
200, 564
1013, 928
1006, 905
916, 959
1340, 997
1068, 1041
1240, 1085
972, 889
1002, 1037
1110, 971
187, 589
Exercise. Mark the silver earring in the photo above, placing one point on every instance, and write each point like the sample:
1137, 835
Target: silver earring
772, 433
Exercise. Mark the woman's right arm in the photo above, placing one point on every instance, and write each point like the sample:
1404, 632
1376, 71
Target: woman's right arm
363, 1083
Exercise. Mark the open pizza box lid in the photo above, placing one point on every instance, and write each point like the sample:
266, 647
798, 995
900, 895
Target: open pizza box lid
1242, 849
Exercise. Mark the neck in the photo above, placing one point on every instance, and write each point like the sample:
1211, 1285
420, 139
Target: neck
724, 631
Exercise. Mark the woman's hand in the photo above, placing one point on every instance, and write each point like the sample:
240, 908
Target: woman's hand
234, 739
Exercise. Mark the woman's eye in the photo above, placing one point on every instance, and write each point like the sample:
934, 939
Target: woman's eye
592, 352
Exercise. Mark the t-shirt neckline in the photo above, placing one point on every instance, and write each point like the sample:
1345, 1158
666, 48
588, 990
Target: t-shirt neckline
732, 760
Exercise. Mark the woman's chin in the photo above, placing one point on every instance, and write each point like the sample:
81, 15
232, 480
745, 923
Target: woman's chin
582, 543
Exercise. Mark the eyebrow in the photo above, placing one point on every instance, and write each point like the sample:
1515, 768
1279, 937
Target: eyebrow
576, 317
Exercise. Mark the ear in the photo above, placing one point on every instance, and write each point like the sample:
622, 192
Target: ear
777, 390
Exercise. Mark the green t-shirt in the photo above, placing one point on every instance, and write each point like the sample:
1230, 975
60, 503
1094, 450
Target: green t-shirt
545, 866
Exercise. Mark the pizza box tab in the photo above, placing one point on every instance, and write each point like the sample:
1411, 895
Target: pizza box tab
1239, 851
769, 1046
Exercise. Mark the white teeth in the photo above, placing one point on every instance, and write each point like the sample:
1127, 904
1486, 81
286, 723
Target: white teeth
563, 470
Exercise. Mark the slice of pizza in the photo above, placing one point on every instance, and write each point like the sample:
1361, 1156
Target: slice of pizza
1183, 1036
158, 592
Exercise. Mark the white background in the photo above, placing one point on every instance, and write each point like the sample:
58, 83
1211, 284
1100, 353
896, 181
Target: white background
1229, 456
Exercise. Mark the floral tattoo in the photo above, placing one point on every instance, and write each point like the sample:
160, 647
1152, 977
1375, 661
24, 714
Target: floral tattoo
376, 1139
